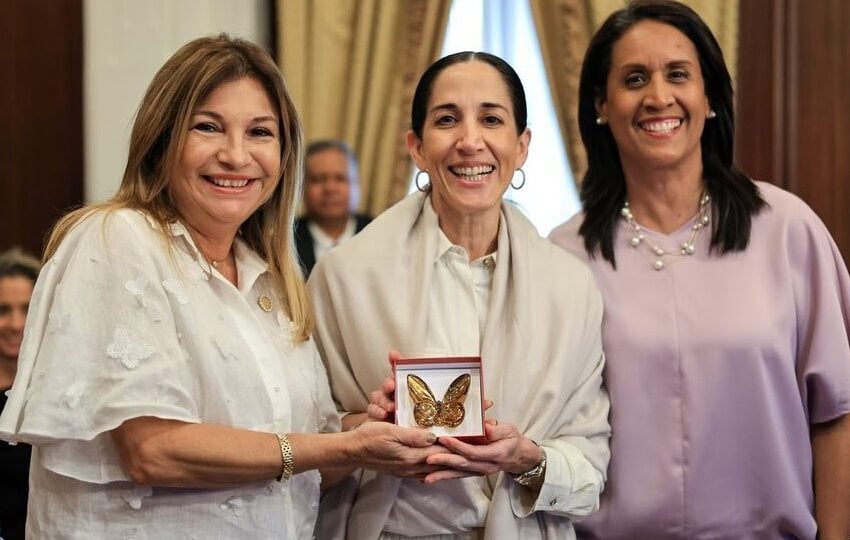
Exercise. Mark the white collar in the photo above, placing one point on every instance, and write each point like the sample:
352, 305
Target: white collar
249, 264
445, 246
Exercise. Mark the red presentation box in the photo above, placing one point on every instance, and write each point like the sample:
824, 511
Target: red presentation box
443, 395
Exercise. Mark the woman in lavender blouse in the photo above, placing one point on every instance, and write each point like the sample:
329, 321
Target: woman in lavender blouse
727, 304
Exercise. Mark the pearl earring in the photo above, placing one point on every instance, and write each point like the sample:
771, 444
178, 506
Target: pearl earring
711, 114
599, 121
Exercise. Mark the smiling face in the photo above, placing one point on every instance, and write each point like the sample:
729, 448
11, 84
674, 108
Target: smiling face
231, 158
469, 145
655, 102
15, 292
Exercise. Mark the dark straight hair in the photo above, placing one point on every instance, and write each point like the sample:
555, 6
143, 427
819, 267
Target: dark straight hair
735, 198
17, 263
419, 110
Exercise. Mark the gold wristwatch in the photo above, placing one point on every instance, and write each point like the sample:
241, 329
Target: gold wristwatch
535, 472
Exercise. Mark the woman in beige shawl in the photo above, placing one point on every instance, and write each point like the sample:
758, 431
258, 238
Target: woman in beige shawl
454, 271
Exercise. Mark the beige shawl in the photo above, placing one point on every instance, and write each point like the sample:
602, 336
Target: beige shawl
542, 358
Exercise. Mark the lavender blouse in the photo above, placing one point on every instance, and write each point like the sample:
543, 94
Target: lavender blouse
716, 368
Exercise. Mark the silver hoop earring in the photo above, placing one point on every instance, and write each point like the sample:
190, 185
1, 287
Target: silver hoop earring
519, 187
711, 114
416, 181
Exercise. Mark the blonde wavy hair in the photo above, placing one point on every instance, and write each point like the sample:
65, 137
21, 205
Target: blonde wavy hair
156, 144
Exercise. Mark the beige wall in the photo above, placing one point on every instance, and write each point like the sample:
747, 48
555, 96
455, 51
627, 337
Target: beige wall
125, 43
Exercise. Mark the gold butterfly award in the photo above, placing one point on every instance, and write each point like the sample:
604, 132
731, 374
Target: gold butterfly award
428, 412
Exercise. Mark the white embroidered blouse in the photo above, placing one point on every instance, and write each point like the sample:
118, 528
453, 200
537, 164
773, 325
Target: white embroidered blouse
122, 326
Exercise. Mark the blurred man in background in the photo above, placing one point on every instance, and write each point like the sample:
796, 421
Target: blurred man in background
331, 194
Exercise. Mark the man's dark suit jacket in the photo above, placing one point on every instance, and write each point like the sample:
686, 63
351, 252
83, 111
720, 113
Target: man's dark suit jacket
304, 241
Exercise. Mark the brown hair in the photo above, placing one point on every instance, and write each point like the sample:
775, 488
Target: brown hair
15, 262
156, 144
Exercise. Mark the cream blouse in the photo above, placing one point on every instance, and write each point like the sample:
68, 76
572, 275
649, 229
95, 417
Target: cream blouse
123, 324
541, 355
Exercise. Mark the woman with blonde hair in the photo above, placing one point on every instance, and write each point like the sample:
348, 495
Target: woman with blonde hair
167, 379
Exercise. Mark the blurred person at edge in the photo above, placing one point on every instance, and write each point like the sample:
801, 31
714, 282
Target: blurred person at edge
727, 304
331, 194
167, 380
18, 273
452, 270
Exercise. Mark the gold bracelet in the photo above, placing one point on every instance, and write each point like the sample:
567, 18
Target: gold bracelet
288, 466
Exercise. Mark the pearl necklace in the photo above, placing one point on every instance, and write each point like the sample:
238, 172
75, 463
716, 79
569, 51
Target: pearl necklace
659, 253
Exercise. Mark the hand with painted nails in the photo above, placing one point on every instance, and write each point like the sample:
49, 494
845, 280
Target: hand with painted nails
401, 451
505, 450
